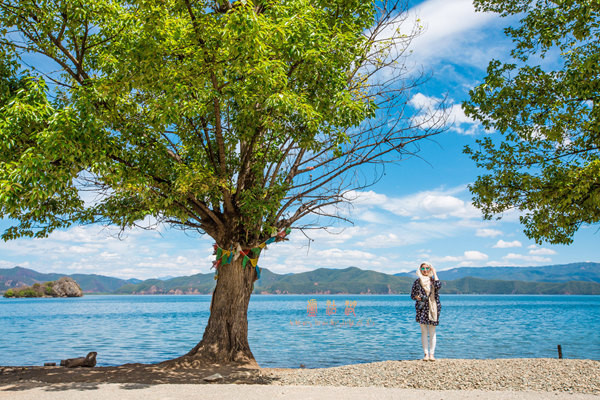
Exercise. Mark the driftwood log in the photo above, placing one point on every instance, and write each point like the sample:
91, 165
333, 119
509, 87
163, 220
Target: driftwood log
87, 361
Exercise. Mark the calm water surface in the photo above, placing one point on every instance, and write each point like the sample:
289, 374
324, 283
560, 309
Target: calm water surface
283, 333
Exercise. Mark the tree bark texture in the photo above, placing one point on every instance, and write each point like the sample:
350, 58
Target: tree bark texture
225, 338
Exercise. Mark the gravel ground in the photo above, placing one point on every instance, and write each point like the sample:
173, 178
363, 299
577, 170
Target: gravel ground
539, 375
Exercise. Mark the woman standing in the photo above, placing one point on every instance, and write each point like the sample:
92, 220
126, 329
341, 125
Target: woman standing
425, 292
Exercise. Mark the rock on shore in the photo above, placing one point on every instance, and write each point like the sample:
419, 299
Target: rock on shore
63, 287
66, 287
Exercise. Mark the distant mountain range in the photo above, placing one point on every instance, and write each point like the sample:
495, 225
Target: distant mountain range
584, 271
576, 278
18, 276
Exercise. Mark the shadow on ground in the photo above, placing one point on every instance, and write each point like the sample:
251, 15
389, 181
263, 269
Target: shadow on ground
132, 376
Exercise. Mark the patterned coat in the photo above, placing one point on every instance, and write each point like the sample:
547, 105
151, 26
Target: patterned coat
418, 291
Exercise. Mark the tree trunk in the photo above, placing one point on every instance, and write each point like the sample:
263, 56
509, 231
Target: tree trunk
225, 338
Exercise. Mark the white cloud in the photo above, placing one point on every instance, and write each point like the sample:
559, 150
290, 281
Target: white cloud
10, 264
441, 205
467, 259
457, 119
542, 252
486, 232
370, 216
496, 264
428, 110
337, 254
383, 240
454, 31
530, 258
438, 204
408, 233
474, 255
462, 124
501, 244
333, 237
424, 102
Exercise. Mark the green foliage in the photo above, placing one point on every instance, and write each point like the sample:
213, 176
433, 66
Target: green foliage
547, 163
48, 291
45, 289
233, 119
28, 292
204, 115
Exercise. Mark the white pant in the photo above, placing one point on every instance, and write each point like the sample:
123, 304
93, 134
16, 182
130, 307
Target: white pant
425, 329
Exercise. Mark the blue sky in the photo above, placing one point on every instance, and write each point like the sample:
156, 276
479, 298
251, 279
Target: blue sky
420, 211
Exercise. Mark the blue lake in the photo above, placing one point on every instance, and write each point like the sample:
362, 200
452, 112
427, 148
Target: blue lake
285, 332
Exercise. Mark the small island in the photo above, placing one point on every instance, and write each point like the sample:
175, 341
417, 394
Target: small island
63, 287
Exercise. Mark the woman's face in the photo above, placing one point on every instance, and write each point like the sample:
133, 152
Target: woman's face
425, 270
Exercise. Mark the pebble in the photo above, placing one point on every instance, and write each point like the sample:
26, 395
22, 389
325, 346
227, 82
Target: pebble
540, 374
213, 378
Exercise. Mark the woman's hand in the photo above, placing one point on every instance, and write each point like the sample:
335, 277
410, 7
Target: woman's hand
434, 273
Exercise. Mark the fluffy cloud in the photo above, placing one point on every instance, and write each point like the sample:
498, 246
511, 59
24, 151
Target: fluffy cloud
541, 251
468, 259
462, 124
474, 255
454, 31
438, 204
501, 244
458, 121
423, 102
486, 232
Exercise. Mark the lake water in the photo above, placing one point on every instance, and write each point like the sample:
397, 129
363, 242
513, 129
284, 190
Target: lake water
286, 330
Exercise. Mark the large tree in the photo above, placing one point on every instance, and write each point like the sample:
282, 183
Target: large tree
546, 105
232, 119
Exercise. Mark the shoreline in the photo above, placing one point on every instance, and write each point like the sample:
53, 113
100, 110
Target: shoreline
539, 375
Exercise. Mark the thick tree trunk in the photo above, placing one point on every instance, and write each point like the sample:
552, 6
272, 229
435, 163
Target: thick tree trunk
225, 338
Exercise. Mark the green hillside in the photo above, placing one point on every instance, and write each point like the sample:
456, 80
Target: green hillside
583, 271
195, 284
483, 286
331, 281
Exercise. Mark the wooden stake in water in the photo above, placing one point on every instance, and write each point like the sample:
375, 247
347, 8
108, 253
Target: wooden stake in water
559, 351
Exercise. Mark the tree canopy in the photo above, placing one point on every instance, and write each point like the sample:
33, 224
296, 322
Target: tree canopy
545, 103
234, 119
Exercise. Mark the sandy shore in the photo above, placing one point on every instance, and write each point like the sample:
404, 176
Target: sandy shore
447, 379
